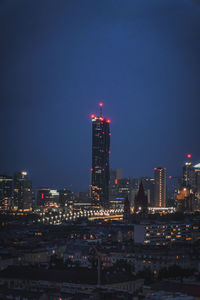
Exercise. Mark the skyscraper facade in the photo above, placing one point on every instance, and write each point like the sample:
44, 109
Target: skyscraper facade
66, 198
100, 173
22, 190
148, 184
188, 197
5, 191
160, 187
42, 196
188, 175
197, 178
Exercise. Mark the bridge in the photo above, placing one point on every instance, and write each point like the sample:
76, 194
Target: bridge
56, 217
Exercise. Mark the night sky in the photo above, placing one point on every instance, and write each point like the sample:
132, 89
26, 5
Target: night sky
60, 58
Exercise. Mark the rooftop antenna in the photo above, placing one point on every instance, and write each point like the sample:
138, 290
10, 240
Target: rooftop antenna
100, 105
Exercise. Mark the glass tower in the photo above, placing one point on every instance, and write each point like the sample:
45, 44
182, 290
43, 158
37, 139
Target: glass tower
100, 172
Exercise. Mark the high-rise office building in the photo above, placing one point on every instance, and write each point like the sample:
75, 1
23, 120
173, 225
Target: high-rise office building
22, 190
100, 173
42, 196
197, 178
148, 184
5, 191
188, 196
66, 198
188, 175
160, 187
115, 175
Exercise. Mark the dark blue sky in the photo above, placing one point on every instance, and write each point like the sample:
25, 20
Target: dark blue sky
59, 58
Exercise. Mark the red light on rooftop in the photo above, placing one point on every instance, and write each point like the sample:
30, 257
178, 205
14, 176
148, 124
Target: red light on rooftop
92, 116
170, 177
189, 156
108, 121
155, 169
91, 169
100, 104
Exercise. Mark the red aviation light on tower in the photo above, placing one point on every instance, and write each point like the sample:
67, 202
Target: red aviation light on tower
108, 121
189, 156
100, 104
92, 116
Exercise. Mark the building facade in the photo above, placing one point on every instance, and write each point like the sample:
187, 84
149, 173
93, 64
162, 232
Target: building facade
42, 196
100, 173
165, 233
160, 187
66, 198
148, 184
22, 190
5, 191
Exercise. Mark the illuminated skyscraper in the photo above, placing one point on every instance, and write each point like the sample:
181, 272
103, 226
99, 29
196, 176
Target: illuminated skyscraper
100, 173
189, 175
160, 187
5, 191
197, 178
22, 190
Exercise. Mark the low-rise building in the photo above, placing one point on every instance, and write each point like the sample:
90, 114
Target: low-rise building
165, 233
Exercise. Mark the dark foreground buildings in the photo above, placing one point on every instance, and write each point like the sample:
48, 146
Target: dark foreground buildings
100, 173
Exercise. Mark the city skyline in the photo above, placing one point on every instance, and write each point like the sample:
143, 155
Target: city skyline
139, 58
99, 155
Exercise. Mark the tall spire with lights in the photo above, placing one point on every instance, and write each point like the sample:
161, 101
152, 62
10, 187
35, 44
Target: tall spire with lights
100, 108
100, 172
